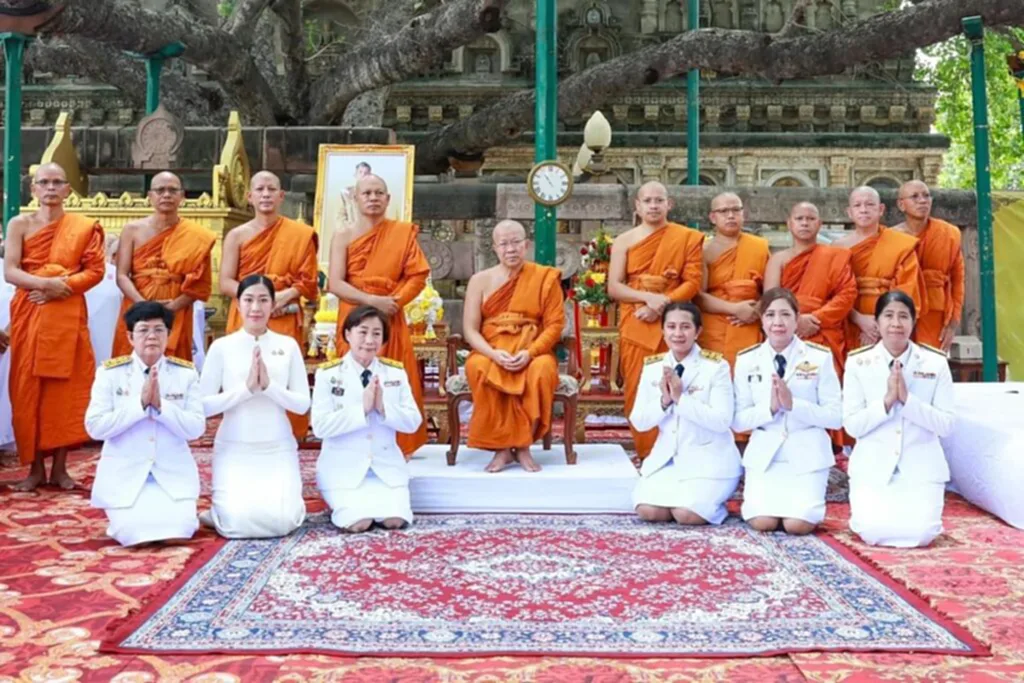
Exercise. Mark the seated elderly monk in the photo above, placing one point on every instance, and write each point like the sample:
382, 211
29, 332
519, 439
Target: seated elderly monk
513, 318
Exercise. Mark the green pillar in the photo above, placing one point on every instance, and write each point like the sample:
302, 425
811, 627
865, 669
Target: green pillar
546, 121
693, 106
14, 52
975, 32
154, 67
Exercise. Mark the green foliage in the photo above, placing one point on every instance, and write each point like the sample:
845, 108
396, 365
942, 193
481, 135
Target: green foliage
947, 66
225, 8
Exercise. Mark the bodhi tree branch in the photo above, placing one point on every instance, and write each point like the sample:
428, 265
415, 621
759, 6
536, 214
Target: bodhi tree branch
883, 36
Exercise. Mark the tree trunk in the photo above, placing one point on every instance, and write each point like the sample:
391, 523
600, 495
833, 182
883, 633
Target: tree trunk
883, 36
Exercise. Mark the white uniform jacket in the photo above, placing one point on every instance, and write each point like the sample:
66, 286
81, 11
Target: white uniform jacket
137, 441
908, 435
354, 442
799, 434
695, 430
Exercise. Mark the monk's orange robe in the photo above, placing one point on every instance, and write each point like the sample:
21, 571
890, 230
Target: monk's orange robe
882, 263
286, 253
52, 363
514, 408
669, 262
822, 280
388, 261
942, 264
736, 275
175, 262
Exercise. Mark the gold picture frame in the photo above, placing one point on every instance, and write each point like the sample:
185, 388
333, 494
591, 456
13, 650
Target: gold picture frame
337, 170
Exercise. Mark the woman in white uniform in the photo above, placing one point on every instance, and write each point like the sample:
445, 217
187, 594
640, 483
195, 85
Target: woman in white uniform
787, 395
360, 402
897, 403
687, 394
255, 377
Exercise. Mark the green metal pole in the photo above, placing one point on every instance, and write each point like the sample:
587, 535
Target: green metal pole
693, 106
975, 32
154, 65
546, 124
14, 51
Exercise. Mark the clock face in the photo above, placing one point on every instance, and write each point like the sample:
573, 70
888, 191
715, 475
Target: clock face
550, 183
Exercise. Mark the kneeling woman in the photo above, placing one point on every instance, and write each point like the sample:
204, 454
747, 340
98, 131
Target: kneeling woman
360, 402
686, 393
897, 403
255, 377
787, 395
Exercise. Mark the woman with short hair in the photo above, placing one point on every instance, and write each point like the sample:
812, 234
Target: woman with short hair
897, 403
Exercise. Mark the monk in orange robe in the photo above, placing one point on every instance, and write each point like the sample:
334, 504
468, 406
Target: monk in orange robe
942, 265
882, 259
734, 264
167, 259
821, 278
52, 258
652, 265
513, 318
282, 249
378, 262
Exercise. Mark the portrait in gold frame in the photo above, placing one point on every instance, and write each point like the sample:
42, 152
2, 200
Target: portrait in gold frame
338, 169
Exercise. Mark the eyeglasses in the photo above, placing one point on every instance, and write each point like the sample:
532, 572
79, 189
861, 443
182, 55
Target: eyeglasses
143, 332
508, 244
172, 191
50, 183
917, 196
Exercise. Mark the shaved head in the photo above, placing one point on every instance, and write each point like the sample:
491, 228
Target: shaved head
508, 228
50, 170
727, 214
265, 176
652, 204
865, 190
804, 223
510, 243
164, 178
801, 207
866, 208
915, 201
725, 198
652, 186
371, 179
372, 197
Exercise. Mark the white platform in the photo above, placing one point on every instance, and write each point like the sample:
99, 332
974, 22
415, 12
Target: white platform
985, 452
601, 481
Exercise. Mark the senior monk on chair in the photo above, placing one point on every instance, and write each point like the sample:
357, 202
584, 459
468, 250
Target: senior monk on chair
883, 259
942, 266
280, 248
53, 258
378, 262
513, 318
164, 258
652, 265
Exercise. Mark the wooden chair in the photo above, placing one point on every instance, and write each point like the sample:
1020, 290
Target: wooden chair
458, 391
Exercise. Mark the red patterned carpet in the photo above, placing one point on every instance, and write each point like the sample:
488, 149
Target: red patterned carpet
62, 584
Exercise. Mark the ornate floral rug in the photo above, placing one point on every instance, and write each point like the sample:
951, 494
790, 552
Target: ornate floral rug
485, 585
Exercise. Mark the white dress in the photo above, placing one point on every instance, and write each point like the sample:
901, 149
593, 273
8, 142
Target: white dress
257, 486
694, 463
361, 472
789, 454
897, 469
6, 412
104, 305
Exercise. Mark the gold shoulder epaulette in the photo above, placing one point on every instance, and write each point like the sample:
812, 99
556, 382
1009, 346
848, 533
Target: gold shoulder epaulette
656, 358
391, 363
117, 362
711, 355
748, 349
860, 350
820, 347
934, 350
330, 364
181, 361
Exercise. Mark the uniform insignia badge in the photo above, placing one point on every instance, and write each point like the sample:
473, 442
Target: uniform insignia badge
393, 383
180, 362
120, 391
924, 375
338, 391
277, 352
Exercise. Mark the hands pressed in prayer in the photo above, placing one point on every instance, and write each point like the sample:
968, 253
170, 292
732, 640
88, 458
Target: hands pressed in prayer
901, 387
264, 376
370, 395
666, 390
892, 394
252, 383
378, 397
781, 394
807, 325
154, 388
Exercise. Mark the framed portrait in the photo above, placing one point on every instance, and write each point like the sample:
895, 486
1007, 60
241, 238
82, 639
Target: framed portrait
340, 167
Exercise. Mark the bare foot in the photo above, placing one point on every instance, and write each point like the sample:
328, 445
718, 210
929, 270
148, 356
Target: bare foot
63, 481
526, 460
393, 523
34, 480
360, 526
500, 461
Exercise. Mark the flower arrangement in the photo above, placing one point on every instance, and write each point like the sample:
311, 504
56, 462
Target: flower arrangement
425, 311
597, 254
590, 289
